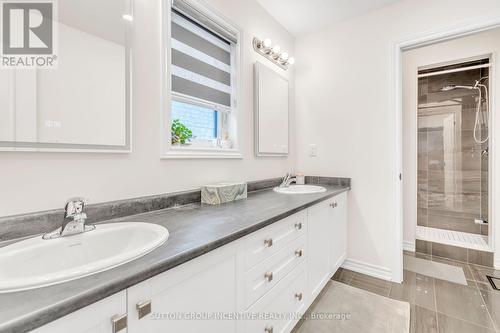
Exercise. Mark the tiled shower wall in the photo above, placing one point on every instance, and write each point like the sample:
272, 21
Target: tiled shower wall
452, 168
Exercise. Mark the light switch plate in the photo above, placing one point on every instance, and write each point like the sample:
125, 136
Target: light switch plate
313, 150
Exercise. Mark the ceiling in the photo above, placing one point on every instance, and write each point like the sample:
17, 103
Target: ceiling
300, 17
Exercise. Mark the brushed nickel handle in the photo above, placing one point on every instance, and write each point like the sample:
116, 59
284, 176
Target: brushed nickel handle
268, 242
143, 308
118, 323
299, 296
298, 225
269, 329
269, 276
299, 253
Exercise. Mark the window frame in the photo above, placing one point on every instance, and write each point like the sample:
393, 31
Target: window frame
169, 151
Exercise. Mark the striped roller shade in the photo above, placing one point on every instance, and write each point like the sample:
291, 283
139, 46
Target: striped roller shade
201, 62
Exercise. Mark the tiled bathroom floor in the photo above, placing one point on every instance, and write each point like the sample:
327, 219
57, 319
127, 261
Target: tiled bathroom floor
438, 305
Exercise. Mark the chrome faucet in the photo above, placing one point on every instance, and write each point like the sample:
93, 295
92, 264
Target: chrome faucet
74, 220
287, 180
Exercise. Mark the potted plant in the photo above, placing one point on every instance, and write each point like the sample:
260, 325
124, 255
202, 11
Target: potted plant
181, 134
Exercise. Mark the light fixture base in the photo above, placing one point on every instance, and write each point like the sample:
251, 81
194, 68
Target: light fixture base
259, 48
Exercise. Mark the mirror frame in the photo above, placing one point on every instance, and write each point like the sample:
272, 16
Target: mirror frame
257, 67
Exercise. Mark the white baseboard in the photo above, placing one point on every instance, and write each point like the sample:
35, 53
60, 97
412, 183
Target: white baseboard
368, 269
340, 262
409, 246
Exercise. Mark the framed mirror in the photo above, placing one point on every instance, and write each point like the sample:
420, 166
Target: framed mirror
271, 112
82, 102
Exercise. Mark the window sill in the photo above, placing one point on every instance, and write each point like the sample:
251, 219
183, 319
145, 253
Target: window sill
190, 152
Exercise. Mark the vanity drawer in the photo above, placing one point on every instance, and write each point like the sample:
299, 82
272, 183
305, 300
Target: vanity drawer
267, 274
273, 238
281, 308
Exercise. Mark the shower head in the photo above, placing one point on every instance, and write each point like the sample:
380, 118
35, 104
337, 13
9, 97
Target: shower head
453, 87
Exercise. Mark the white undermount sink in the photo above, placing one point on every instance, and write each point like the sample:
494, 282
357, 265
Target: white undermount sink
300, 189
36, 262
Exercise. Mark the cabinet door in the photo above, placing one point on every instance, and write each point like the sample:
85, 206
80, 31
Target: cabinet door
95, 318
188, 298
319, 239
338, 227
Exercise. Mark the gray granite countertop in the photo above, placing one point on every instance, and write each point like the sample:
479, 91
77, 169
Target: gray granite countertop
194, 229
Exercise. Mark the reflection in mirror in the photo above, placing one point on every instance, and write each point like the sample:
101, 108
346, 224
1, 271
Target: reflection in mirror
82, 103
271, 112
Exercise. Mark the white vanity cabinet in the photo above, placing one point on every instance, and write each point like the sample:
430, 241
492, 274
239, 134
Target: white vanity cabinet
319, 245
95, 318
188, 298
327, 240
267, 279
338, 231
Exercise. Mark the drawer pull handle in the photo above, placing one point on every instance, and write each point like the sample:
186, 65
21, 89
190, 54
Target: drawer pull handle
118, 323
143, 308
299, 253
333, 205
269, 329
299, 296
269, 276
268, 242
298, 225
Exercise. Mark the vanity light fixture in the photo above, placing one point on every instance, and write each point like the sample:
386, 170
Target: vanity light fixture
273, 53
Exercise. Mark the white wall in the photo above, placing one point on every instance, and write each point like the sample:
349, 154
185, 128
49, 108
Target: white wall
39, 181
475, 45
343, 105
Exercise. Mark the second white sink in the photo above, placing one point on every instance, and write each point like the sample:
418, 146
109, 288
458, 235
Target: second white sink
37, 262
300, 189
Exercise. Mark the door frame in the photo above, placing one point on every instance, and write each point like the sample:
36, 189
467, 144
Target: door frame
396, 99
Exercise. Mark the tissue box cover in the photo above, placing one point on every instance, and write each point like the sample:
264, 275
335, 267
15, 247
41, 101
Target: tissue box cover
217, 194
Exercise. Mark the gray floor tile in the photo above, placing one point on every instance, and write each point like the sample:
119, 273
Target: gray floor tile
492, 300
479, 273
461, 302
465, 266
449, 324
367, 312
343, 275
416, 289
371, 284
485, 286
422, 320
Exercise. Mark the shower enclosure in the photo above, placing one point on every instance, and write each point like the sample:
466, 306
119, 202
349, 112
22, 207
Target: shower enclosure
453, 154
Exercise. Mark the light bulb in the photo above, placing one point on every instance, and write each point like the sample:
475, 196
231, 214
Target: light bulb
291, 61
276, 49
128, 17
267, 43
284, 56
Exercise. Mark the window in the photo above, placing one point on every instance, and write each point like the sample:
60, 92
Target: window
202, 63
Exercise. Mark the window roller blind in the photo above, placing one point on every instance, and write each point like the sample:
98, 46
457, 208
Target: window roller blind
191, 10
201, 61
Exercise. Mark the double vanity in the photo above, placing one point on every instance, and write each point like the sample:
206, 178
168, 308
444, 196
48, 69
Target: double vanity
253, 265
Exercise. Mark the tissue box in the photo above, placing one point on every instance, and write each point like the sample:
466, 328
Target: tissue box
217, 194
